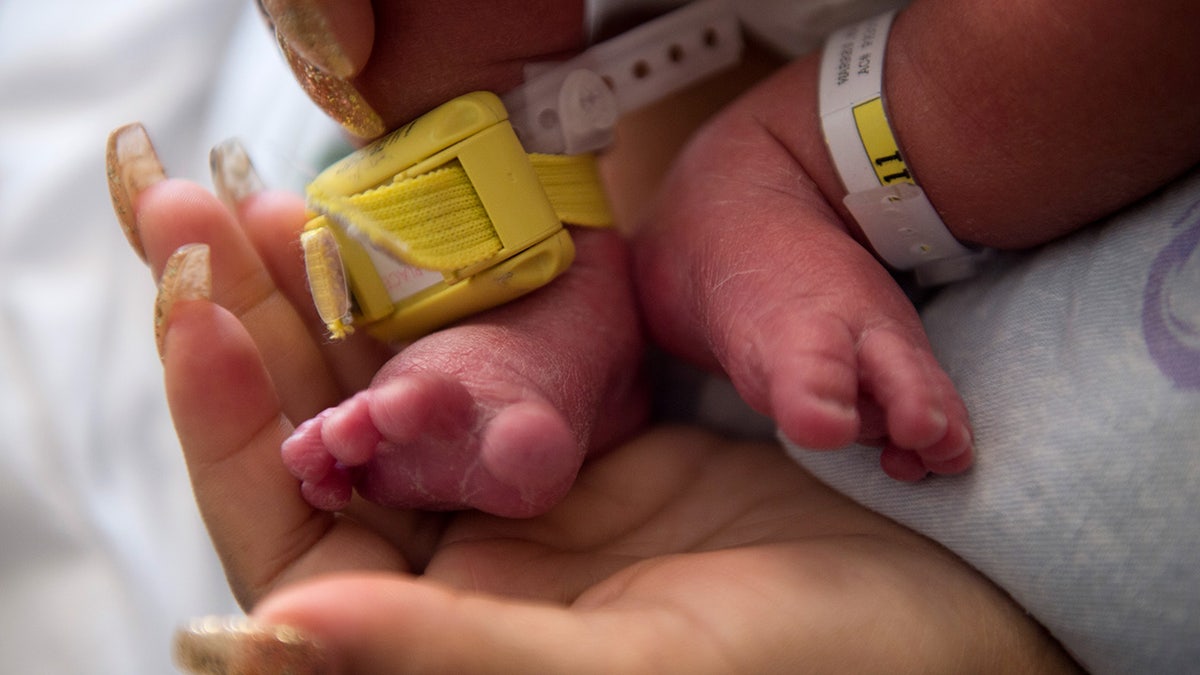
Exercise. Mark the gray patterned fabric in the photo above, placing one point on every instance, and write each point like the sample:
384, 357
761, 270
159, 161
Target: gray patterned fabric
1080, 363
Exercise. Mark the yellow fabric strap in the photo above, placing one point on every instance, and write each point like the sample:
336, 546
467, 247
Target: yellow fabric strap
572, 183
436, 220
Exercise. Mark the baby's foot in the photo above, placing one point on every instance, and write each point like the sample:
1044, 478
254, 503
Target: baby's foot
496, 414
499, 412
747, 268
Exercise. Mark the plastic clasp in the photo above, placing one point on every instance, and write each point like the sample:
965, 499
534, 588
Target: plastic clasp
360, 278
905, 230
573, 106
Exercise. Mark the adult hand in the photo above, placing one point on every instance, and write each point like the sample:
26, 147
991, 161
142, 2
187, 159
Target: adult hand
677, 551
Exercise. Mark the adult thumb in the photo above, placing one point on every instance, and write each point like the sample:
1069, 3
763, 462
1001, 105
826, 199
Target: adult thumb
367, 624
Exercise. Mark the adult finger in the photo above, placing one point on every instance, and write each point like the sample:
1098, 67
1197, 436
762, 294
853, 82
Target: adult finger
159, 215
230, 425
272, 220
173, 213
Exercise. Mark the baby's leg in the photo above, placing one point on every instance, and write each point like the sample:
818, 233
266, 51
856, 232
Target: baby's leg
807, 326
744, 266
496, 413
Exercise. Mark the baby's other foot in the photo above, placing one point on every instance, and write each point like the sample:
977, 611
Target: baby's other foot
837, 365
747, 268
497, 413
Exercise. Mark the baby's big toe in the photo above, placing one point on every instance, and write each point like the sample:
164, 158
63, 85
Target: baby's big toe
817, 423
808, 361
530, 451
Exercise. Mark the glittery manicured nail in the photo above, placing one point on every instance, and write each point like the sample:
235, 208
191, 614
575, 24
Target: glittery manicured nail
233, 174
186, 276
304, 27
132, 166
337, 97
242, 646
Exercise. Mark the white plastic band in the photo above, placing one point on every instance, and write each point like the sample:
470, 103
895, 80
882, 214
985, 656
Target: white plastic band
572, 107
893, 212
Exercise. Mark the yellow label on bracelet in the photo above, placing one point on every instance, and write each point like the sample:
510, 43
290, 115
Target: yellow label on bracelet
880, 144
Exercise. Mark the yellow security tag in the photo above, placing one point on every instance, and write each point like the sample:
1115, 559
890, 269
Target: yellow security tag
443, 218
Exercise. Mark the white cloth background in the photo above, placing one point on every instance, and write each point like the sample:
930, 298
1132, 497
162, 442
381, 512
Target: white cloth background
102, 551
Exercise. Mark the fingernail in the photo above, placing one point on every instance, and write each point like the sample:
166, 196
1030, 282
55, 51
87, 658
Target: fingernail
132, 166
233, 174
835, 407
938, 422
327, 281
242, 646
337, 97
957, 464
956, 456
304, 27
186, 276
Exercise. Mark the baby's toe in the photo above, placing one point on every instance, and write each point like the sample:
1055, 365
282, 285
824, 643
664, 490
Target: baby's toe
809, 364
815, 422
922, 409
529, 449
331, 492
406, 408
348, 433
903, 379
901, 464
954, 453
324, 483
304, 453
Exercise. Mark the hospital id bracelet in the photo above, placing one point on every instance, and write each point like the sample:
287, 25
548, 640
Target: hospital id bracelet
463, 208
573, 106
893, 212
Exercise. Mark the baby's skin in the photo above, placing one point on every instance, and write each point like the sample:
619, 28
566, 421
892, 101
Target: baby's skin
751, 270
497, 412
747, 263
744, 268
